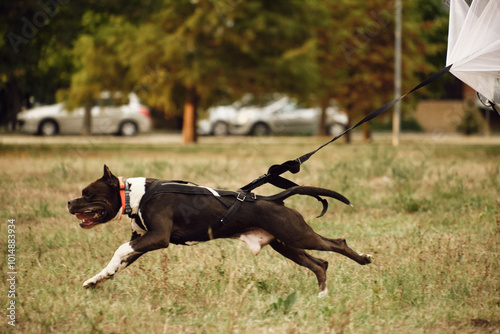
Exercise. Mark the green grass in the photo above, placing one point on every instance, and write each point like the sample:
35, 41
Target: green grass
427, 212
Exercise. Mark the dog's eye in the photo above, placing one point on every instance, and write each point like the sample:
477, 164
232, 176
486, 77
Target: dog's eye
86, 196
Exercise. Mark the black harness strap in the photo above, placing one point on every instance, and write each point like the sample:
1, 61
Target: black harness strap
210, 229
181, 187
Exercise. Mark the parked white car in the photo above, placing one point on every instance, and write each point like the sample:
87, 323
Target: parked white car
286, 116
107, 118
221, 117
217, 123
280, 116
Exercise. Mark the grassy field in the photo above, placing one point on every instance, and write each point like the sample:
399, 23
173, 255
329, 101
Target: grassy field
428, 212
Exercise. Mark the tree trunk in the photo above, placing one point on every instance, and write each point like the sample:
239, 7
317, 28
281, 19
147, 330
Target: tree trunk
11, 104
87, 119
189, 135
322, 129
348, 136
367, 132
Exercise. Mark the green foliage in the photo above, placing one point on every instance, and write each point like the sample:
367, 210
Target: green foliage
472, 120
283, 306
407, 125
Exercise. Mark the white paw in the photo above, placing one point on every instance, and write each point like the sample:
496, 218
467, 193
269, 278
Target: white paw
91, 283
323, 293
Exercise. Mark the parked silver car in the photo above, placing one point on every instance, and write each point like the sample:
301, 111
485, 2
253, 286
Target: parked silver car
221, 117
280, 116
107, 118
286, 116
217, 123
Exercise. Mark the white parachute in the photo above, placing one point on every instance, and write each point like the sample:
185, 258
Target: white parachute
474, 45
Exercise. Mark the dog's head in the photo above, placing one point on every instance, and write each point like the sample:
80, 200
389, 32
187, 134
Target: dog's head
100, 201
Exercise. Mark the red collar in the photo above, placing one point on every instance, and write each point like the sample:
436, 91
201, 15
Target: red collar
125, 196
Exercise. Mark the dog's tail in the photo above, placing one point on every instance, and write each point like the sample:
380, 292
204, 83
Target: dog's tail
310, 191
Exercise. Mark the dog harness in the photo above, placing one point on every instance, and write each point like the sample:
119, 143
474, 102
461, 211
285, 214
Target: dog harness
230, 199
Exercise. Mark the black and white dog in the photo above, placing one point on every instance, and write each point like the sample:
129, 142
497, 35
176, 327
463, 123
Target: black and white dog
171, 216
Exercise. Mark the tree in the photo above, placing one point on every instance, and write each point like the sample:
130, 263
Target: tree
35, 53
188, 53
181, 55
357, 51
97, 70
36, 46
96, 56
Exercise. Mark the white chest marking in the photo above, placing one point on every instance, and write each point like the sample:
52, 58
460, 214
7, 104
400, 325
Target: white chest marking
256, 239
137, 190
136, 228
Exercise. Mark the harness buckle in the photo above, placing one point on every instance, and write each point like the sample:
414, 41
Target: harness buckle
125, 195
241, 196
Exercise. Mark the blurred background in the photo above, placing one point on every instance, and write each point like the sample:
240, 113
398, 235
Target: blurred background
226, 67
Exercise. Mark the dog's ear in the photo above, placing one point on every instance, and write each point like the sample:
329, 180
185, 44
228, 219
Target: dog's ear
108, 176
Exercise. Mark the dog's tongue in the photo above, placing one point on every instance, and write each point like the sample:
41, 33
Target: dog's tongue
86, 219
85, 216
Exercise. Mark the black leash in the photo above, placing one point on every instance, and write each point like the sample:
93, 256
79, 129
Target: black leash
293, 166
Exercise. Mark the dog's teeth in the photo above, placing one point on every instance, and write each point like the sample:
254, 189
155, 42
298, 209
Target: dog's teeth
83, 220
96, 215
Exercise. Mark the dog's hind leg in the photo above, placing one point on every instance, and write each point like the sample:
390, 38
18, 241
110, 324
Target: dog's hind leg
291, 228
314, 241
318, 242
308, 239
300, 235
299, 256
340, 246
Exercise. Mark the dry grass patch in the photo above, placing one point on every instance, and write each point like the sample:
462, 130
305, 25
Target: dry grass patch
430, 217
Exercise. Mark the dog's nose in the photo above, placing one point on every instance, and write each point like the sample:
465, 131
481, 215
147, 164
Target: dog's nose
70, 201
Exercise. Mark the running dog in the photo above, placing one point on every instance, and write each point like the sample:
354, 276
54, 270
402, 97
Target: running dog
175, 216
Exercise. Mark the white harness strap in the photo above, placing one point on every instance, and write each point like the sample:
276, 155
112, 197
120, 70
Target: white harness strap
215, 193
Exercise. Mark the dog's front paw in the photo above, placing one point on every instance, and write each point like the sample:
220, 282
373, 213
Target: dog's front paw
91, 283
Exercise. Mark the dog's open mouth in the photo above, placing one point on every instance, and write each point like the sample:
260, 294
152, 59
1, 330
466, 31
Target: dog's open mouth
90, 217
